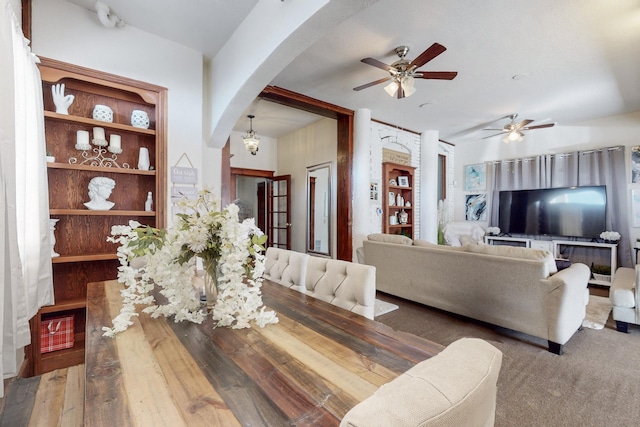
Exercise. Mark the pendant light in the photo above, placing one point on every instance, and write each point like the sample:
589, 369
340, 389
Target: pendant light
251, 141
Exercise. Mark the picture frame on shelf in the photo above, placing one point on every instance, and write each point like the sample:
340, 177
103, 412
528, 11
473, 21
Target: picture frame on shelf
392, 198
403, 181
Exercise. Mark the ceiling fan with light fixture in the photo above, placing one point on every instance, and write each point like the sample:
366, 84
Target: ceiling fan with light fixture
513, 132
403, 72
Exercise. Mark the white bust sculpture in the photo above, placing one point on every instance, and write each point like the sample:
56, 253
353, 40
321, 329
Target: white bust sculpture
100, 189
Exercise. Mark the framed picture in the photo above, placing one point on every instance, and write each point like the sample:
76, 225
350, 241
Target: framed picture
403, 181
476, 207
635, 207
475, 177
635, 165
373, 190
392, 198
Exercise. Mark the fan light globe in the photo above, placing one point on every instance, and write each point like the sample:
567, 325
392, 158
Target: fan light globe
512, 137
391, 88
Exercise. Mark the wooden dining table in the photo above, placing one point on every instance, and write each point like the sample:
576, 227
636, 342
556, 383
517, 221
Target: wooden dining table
309, 369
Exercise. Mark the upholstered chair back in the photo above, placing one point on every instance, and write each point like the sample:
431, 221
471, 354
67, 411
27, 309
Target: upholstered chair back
455, 388
286, 267
345, 284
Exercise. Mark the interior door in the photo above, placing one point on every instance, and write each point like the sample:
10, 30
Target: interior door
279, 212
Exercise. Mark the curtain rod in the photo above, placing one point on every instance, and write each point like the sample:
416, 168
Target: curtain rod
527, 159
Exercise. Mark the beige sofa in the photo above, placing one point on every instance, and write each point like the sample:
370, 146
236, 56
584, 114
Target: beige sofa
455, 388
500, 286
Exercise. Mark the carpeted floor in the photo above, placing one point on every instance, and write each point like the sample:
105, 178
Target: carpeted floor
595, 383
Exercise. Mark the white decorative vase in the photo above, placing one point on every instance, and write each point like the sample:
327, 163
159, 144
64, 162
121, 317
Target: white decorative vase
140, 119
143, 159
52, 228
102, 113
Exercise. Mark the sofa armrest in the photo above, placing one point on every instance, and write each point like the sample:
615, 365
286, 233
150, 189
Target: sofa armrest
623, 288
565, 302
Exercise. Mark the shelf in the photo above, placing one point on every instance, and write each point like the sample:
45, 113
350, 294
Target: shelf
71, 166
62, 259
97, 123
81, 235
64, 358
64, 305
89, 212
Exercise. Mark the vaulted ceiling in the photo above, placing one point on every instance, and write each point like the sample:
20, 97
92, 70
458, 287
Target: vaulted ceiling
564, 61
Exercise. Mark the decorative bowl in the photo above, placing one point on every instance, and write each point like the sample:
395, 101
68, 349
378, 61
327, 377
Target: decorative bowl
139, 119
103, 113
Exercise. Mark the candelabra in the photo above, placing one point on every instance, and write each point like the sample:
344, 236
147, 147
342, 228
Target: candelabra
99, 159
95, 156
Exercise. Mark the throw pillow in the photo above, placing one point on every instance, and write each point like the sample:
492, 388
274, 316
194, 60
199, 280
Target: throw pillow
398, 239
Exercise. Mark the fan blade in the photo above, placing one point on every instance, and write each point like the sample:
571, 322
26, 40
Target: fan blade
376, 63
502, 130
377, 82
491, 136
439, 75
548, 125
523, 123
426, 56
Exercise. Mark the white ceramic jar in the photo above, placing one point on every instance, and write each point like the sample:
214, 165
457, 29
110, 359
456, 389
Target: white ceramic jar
102, 113
139, 119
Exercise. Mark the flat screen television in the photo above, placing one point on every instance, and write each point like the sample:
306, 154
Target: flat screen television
567, 211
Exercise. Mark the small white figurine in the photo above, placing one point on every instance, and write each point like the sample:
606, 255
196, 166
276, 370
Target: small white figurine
61, 101
100, 189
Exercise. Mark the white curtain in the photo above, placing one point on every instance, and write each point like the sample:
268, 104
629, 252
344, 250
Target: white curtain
25, 264
605, 166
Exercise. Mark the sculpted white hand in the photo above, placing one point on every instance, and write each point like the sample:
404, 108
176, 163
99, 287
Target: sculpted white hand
61, 101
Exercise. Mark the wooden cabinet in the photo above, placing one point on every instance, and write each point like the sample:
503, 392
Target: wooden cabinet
84, 254
397, 199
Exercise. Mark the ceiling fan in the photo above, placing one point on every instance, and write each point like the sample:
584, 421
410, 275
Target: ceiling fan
513, 131
403, 72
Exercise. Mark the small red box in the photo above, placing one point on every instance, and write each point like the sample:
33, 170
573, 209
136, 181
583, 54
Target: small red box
56, 333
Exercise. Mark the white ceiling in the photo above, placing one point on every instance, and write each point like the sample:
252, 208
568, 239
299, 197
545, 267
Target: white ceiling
564, 61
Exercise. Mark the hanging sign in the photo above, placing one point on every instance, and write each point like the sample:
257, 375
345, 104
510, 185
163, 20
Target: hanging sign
183, 192
396, 157
180, 175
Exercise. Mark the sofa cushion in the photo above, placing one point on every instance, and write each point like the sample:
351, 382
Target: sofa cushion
516, 252
390, 238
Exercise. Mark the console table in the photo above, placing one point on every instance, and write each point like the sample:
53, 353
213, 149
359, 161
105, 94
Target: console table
309, 369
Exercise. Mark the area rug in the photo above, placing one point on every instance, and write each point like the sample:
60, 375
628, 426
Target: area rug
598, 311
383, 307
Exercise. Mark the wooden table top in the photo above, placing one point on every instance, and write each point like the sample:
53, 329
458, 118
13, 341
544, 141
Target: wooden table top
307, 370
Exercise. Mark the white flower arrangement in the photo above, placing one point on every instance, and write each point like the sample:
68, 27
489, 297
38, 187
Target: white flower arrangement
612, 236
170, 264
494, 231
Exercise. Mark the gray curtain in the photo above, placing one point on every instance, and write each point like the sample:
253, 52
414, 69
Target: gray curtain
605, 166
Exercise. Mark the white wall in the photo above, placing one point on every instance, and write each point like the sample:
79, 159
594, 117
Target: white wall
309, 146
64, 31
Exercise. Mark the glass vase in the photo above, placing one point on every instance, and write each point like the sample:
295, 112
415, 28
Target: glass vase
210, 284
